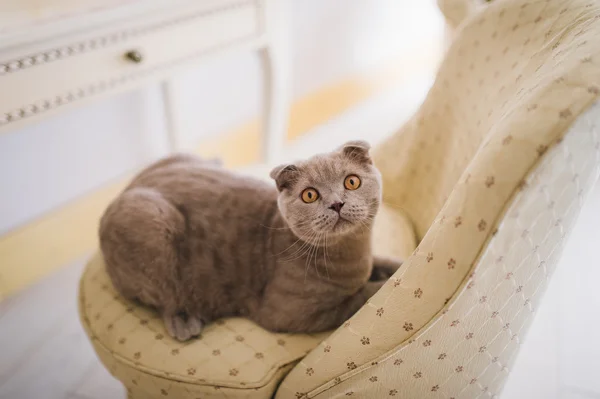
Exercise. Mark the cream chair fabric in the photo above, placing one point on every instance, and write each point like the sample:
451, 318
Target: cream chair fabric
491, 171
467, 349
456, 11
233, 358
517, 76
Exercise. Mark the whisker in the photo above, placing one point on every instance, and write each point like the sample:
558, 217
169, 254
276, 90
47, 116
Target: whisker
301, 224
366, 225
325, 256
304, 246
285, 250
313, 251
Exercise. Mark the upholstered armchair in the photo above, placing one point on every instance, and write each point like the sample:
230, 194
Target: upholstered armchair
487, 177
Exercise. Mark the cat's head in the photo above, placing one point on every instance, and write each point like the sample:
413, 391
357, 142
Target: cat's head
335, 193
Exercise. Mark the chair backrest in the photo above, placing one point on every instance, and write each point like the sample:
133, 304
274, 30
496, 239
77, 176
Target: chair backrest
455, 11
469, 347
509, 67
515, 80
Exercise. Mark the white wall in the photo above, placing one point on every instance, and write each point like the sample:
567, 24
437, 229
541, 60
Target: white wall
46, 165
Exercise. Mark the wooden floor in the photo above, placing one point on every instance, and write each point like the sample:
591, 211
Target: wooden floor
45, 354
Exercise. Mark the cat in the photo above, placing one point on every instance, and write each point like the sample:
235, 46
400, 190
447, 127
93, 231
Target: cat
198, 242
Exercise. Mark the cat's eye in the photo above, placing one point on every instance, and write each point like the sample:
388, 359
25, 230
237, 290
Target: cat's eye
309, 195
352, 182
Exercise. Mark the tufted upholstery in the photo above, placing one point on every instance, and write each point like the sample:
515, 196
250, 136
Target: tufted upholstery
233, 358
517, 76
467, 349
230, 357
456, 11
491, 170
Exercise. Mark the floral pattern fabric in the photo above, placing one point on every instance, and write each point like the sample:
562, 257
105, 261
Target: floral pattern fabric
232, 358
517, 76
491, 171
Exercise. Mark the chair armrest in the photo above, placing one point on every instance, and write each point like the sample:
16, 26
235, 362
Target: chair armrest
514, 81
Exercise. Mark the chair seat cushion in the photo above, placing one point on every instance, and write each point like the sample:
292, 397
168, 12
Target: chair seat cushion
232, 358
132, 342
393, 233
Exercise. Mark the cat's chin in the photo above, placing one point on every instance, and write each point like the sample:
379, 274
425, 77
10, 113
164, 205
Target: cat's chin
342, 226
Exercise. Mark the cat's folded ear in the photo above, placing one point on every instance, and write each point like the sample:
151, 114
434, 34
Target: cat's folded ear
284, 175
357, 150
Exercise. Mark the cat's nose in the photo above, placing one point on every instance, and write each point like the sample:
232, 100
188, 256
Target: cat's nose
337, 206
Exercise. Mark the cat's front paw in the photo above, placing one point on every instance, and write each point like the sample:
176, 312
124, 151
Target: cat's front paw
183, 327
384, 268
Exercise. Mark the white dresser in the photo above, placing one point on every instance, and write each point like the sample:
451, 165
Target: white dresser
72, 51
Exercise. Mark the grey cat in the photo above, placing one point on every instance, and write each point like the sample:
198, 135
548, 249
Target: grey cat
198, 243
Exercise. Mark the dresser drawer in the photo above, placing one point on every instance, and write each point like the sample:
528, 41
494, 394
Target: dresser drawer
55, 76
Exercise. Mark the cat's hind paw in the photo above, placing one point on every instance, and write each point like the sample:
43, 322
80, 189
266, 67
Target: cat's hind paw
181, 326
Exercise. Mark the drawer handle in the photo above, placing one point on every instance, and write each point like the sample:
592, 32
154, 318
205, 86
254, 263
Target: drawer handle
134, 56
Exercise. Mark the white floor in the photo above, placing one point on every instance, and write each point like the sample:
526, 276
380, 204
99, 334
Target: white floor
44, 353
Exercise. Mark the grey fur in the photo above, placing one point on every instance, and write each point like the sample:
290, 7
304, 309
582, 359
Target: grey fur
198, 243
